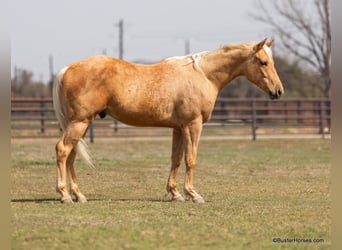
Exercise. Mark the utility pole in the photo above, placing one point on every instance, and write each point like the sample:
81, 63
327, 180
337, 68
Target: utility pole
121, 31
51, 73
273, 48
14, 82
121, 54
187, 47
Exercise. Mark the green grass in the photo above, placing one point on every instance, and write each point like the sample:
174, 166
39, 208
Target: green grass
254, 191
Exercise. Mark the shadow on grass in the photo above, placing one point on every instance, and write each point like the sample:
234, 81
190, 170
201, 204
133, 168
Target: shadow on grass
49, 200
131, 200
37, 200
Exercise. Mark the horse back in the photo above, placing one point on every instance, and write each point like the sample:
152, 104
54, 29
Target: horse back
144, 95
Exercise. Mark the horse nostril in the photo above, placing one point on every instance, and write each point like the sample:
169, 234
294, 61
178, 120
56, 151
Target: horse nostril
279, 92
276, 94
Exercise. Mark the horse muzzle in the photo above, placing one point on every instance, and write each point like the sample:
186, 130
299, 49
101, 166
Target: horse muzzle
277, 94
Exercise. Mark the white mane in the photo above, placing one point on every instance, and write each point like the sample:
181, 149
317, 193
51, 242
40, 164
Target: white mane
192, 58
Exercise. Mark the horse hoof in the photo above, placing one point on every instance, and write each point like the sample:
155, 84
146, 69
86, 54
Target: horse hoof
66, 201
82, 199
178, 198
198, 199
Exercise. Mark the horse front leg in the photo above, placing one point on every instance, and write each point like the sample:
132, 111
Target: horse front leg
176, 158
191, 136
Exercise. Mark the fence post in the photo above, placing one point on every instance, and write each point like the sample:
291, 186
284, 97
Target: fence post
322, 118
253, 120
286, 113
223, 112
91, 132
42, 115
116, 128
298, 112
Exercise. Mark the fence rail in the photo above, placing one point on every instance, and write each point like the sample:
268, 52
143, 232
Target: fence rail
37, 115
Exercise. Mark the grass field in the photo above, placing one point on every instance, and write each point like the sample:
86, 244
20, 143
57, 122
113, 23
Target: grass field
254, 192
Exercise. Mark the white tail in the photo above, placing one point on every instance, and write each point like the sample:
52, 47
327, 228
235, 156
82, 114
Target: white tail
81, 147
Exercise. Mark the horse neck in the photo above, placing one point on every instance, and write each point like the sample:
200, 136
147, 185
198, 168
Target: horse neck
222, 66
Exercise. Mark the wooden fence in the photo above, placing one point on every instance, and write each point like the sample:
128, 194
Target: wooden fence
35, 116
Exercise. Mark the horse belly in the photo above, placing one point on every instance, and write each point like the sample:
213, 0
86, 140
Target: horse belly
147, 113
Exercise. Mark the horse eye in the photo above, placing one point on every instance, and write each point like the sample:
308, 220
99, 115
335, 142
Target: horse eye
263, 63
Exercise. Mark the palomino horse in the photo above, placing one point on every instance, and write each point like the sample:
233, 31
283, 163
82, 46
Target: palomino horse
179, 92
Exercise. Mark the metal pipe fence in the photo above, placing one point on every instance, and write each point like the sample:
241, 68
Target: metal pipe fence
32, 117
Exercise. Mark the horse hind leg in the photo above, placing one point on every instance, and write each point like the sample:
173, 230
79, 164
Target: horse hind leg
62, 153
73, 133
74, 189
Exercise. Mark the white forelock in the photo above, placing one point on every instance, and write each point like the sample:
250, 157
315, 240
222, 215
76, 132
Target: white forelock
268, 51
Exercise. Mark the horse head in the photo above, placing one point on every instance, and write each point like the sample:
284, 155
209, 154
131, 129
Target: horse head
260, 70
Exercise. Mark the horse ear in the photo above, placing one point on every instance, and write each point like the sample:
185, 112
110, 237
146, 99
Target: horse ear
269, 44
259, 45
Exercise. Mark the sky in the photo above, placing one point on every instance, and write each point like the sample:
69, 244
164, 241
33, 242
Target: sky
69, 30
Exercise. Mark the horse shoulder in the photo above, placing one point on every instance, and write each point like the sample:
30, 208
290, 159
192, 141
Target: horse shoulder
195, 94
